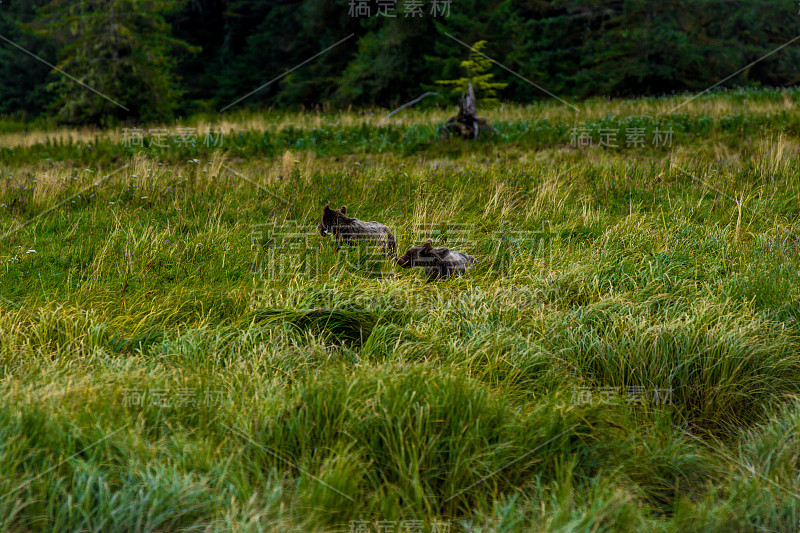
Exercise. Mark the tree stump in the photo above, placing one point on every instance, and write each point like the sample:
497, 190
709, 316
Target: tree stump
467, 123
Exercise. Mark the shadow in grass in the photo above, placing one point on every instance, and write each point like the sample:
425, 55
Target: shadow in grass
139, 342
343, 325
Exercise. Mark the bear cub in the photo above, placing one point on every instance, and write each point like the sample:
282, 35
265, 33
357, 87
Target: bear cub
351, 230
439, 263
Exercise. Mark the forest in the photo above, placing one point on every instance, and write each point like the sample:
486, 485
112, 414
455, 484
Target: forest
158, 60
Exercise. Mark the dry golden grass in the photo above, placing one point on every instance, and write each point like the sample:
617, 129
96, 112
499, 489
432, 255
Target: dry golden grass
552, 110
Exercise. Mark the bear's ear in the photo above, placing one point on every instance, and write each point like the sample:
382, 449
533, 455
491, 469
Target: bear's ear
327, 208
344, 209
428, 245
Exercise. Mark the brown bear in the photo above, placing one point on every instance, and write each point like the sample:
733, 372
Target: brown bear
438, 263
350, 230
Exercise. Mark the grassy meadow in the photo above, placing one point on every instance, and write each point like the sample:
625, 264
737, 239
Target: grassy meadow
180, 350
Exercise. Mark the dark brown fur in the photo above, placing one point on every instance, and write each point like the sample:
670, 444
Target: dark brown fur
351, 230
438, 263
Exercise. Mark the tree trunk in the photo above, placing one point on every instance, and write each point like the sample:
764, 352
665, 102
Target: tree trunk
467, 123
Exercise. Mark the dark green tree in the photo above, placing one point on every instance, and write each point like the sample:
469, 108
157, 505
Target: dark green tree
24, 78
122, 49
386, 68
261, 44
637, 47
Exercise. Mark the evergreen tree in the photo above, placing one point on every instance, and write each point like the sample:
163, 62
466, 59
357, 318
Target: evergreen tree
120, 48
387, 70
208, 24
24, 78
476, 70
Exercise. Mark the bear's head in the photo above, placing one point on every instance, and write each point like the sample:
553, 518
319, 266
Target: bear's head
420, 255
333, 219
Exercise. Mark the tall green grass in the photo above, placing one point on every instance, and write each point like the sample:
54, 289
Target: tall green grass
181, 350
